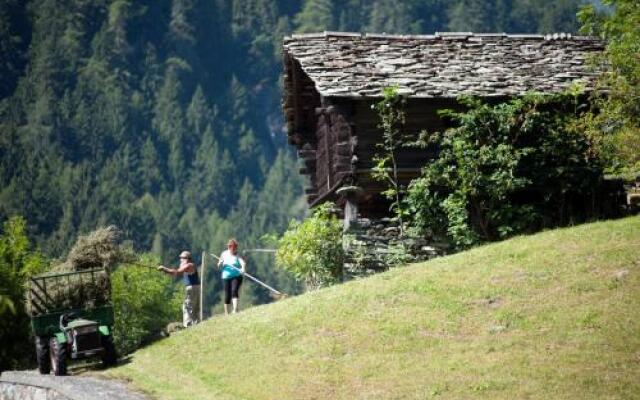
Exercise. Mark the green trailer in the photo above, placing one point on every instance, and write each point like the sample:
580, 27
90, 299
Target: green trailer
72, 318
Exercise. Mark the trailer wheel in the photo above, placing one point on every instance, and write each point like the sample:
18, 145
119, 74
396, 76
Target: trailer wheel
109, 357
42, 354
58, 356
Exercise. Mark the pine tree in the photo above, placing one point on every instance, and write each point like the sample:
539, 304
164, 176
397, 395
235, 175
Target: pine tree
199, 115
316, 16
13, 42
151, 167
471, 16
283, 186
208, 186
392, 17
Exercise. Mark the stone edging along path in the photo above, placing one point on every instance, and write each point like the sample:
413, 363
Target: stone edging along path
27, 385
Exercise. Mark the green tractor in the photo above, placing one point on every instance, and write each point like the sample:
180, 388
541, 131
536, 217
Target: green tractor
72, 318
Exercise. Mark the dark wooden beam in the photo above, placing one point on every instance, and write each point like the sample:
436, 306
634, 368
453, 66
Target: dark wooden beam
306, 154
294, 92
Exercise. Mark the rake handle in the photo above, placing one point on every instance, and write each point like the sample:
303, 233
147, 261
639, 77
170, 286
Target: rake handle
253, 278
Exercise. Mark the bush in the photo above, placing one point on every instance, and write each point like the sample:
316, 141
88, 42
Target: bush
506, 169
614, 123
18, 261
144, 302
311, 250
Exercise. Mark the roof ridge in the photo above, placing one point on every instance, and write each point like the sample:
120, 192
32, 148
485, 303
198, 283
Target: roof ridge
437, 35
342, 34
453, 33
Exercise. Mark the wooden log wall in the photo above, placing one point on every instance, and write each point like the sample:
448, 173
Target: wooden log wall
308, 156
341, 148
299, 107
334, 151
300, 102
420, 115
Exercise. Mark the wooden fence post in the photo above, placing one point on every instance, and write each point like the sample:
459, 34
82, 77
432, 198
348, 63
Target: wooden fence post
202, 265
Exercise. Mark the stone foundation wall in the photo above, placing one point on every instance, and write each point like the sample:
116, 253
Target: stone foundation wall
12, 391
374, 246
30, 385
632, 189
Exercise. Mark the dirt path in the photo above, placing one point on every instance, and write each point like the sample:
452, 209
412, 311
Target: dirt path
16, 385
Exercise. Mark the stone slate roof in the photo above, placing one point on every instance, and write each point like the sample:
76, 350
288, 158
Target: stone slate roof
442, 65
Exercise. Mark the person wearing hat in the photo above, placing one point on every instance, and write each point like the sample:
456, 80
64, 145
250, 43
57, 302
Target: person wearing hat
189, 273
233, 267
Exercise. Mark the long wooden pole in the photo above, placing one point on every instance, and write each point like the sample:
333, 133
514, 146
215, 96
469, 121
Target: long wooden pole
259, 282
253, 278
202, 264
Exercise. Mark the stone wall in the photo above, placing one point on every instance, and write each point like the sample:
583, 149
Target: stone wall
13, 391
30, 385
632, 189
374, 245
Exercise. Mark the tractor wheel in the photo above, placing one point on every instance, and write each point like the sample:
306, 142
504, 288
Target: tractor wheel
109, 357
58, 356
42, 354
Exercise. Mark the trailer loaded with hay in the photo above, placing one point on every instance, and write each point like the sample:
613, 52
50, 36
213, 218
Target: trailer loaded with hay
72, 318
71, 308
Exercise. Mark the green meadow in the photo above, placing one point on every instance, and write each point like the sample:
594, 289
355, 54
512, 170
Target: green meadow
554, 315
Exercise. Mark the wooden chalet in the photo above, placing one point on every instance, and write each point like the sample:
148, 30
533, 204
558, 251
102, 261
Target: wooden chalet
332, 79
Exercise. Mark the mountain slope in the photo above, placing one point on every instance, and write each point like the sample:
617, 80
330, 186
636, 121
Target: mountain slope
555, 315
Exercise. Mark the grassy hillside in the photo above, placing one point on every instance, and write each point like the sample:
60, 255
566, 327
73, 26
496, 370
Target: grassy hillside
550, 316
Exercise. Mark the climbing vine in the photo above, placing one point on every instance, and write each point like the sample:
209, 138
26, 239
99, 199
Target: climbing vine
391, 116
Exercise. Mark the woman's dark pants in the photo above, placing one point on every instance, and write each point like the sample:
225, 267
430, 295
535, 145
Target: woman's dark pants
231, 288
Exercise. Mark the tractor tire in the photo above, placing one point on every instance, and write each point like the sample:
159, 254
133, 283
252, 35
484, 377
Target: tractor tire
58, 356
42, 354
109, 357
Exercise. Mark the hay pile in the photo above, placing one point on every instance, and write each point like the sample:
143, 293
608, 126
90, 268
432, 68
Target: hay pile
54, 292
101, 249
